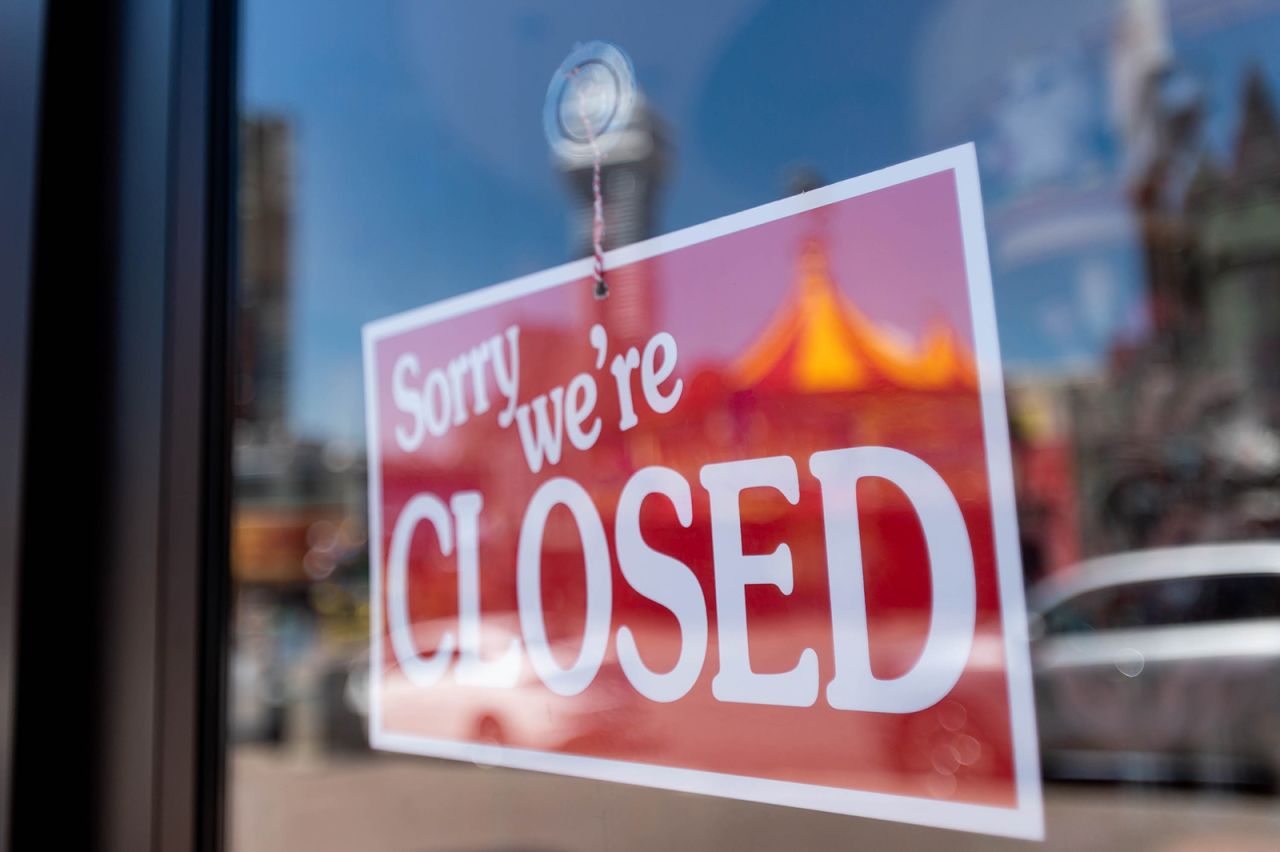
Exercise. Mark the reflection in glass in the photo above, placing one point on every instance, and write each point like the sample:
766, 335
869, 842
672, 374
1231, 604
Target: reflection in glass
1130, 156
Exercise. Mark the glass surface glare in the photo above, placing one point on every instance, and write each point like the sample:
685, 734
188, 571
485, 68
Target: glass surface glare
395, 154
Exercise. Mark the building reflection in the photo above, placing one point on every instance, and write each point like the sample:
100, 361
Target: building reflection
298, 550
1188, 449
1148, 260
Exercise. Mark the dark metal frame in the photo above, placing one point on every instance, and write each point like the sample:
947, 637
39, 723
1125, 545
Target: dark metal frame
114, 447
22, 30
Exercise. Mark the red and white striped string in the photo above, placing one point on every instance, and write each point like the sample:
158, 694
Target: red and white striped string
597, 203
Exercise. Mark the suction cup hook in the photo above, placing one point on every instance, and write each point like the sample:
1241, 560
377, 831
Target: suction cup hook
591, 95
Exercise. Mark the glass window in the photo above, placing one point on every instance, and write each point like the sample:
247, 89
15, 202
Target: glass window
394, 154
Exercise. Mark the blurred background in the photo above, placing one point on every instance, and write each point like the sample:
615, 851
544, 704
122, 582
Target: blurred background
393, 155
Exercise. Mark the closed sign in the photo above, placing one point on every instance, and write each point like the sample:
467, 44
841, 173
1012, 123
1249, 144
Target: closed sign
745, 527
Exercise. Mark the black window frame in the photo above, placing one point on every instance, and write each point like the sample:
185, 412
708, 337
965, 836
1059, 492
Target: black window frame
118, 256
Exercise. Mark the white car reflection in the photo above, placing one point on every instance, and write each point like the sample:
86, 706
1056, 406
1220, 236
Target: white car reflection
1162, 665
527, 715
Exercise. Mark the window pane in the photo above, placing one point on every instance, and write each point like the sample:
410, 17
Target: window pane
395, 154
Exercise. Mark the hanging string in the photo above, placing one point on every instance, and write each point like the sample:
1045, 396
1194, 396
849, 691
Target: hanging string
597, 202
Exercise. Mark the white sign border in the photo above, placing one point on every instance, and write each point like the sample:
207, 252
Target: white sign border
1026, 819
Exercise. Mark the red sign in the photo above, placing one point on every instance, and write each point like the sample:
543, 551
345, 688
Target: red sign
745, 527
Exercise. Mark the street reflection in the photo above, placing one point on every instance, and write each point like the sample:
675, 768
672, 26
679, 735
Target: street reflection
1130, 157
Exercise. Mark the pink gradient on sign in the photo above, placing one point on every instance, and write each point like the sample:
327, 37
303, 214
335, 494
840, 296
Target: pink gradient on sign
764, 319
871, 246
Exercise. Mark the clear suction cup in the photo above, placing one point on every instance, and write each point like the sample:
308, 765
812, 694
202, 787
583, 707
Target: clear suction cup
591, 96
